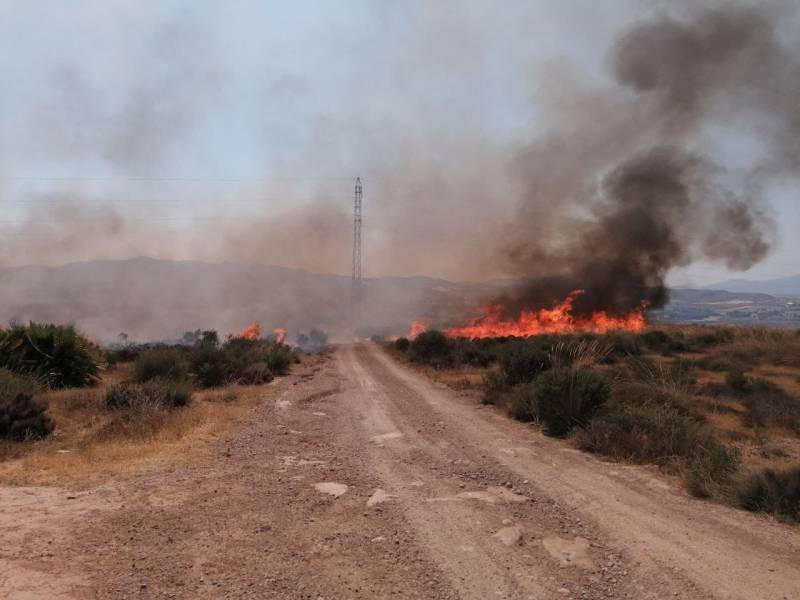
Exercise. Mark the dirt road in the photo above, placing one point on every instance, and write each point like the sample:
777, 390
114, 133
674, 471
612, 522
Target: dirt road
365, 480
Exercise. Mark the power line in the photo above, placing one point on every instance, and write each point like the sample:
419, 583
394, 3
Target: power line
356, 277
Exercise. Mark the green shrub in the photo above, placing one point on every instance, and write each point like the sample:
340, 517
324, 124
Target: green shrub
57, 355
209, 365
239, 361
21, 417
522, 403
767, 405
711, 469
523, 362
771, 491
737, 381
255, 373
402, 344
167, 363
432, 348
651, 432
495, 389
567, 398
149, 396
278, 358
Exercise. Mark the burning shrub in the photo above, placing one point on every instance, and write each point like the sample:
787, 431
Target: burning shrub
432, 348
149, 396
776, 492
164, 362
21, 417
567, 398
55, 354
402, 344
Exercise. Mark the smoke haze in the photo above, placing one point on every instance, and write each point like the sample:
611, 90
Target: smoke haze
609, 179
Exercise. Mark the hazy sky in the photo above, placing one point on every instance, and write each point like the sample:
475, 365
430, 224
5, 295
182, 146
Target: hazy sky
167, 128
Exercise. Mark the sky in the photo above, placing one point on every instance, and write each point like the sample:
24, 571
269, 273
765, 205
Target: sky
233, 131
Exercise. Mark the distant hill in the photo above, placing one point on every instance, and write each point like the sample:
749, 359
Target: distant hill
151, 299
159, 299
783, 286
735, 308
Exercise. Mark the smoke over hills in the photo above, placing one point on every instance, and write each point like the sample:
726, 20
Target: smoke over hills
626, 175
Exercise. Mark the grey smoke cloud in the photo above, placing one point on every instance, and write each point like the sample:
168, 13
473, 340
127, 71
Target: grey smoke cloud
609, 184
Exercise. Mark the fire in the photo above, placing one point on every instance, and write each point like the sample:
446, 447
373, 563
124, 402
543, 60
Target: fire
417, 327
252, 331
558, 319
280, 335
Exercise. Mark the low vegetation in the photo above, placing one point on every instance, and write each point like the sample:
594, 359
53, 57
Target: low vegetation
68, 409
57, 355
717, 406
21, 417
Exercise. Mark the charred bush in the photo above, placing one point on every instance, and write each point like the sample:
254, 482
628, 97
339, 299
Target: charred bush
402, 344
57, 355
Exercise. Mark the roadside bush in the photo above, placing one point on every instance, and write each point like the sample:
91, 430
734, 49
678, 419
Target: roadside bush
568, 398
523, 403
255, 374
402, 344
523, 362
278, 358
167, 363
495, 389
209, 365
57, 355
771, 491
21, 417
239, 360
651, 432
432, 348
148, 396
711, 469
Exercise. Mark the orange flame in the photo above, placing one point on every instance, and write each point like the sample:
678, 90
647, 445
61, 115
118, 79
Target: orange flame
252, 331
558, 319
417, 327
280, 335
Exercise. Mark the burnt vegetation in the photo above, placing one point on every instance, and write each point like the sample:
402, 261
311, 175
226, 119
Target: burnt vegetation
691, 400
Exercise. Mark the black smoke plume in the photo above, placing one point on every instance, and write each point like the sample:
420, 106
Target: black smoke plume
659, 201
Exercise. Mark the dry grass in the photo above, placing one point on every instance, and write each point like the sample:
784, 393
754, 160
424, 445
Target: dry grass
92, 442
